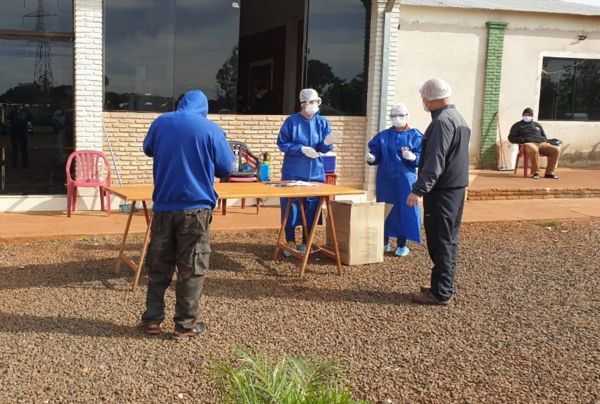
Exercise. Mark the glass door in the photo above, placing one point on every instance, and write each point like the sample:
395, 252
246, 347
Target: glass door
36, 114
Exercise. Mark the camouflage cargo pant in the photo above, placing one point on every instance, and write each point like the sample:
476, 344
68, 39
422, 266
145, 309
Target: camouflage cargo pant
179, 239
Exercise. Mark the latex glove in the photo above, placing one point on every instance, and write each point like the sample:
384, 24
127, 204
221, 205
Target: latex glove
408, 155
369, 158
310, 152
333, 138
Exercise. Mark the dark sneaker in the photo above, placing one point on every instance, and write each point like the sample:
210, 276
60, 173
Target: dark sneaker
428, 298
424, 289
180, 336
152, 329
536, 176
552, 176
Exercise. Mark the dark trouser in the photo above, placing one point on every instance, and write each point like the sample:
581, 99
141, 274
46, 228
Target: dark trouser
400, 241
443, 215
295, 219
182, 239
20, 141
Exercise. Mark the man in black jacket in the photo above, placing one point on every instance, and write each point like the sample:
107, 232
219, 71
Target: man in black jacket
443, 177
531, 136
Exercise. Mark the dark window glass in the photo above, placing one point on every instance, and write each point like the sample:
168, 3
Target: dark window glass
337, 54
139, 44
36, 115
34, 15
206, 51
247, 57
570, 90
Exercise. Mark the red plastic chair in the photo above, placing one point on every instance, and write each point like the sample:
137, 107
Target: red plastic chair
85, 168
523, 153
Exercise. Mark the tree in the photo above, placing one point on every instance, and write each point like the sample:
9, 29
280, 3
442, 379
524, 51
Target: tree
227, 82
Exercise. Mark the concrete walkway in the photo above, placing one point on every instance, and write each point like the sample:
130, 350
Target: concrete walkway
33, 226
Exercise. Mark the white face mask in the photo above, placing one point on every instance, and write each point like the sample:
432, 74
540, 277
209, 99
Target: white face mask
399, 122
311, 109
528, 119
425, 107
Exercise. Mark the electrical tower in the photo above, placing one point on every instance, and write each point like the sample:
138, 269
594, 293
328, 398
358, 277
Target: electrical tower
42, 74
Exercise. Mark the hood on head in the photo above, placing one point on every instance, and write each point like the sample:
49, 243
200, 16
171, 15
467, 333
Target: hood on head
194, 101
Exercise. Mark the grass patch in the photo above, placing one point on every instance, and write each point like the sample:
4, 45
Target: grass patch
259, 380
550, 223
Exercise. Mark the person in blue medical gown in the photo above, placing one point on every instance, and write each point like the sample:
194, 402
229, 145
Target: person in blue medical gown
396, 152
302, 139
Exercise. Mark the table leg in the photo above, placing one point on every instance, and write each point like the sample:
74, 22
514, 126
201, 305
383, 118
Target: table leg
124, 241
282, 231
336, 249
138, 269
311, 235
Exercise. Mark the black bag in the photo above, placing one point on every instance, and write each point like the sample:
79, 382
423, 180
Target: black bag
555, 142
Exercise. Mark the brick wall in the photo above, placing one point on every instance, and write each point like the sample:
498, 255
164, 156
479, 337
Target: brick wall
491, 103
89, 77
127, 131
374, 78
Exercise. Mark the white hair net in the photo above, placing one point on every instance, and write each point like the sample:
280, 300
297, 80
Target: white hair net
435, 89
399, 109
308, 94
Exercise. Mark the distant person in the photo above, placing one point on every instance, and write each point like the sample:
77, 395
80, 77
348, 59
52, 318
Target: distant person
20, 122
531, 135
189, 151
396, 152
302, 139
266, 102
443, 177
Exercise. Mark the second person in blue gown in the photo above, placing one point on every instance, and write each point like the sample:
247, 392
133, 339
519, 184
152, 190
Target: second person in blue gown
396, 151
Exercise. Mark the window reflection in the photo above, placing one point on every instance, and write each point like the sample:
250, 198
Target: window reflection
246, 56
22, 15
206, 52
570, 90
337, 54
139, 42
36, 116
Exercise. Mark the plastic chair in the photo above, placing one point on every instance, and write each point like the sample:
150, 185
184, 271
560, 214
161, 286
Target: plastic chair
523, 153
84, 169
244, 157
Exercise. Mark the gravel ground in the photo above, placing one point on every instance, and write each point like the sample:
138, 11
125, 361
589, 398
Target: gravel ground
522, 328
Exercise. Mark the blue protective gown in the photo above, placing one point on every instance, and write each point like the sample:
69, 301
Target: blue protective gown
296, 132
395, 177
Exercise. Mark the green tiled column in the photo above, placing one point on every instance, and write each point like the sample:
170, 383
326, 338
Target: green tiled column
493, 75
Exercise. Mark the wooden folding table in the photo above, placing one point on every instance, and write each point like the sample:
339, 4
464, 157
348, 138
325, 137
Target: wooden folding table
134, 194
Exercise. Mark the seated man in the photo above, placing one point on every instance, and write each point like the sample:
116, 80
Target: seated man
531, 135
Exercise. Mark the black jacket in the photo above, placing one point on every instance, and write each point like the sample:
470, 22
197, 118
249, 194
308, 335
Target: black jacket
527, 132
444, 153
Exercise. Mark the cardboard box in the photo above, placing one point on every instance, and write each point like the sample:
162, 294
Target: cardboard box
359, 230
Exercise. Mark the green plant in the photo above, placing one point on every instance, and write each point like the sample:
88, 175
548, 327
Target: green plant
257, 380
549, 224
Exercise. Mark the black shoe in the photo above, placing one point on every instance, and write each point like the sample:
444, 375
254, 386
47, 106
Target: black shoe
199, 329
536, 176
552, 176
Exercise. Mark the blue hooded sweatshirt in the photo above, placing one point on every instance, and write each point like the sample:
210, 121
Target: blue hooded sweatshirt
189, 151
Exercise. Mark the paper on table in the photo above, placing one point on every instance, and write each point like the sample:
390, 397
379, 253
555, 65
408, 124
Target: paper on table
292, 184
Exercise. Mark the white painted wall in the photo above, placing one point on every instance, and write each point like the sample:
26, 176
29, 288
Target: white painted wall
451, 44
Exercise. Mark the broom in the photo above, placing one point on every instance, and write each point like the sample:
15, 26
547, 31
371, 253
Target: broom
502, 161
125, 207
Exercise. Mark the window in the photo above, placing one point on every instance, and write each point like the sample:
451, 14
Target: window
32, 15
570, 90
36, 95
228, 49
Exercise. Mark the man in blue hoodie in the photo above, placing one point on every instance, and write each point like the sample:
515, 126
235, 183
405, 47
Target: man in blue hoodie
189, 151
